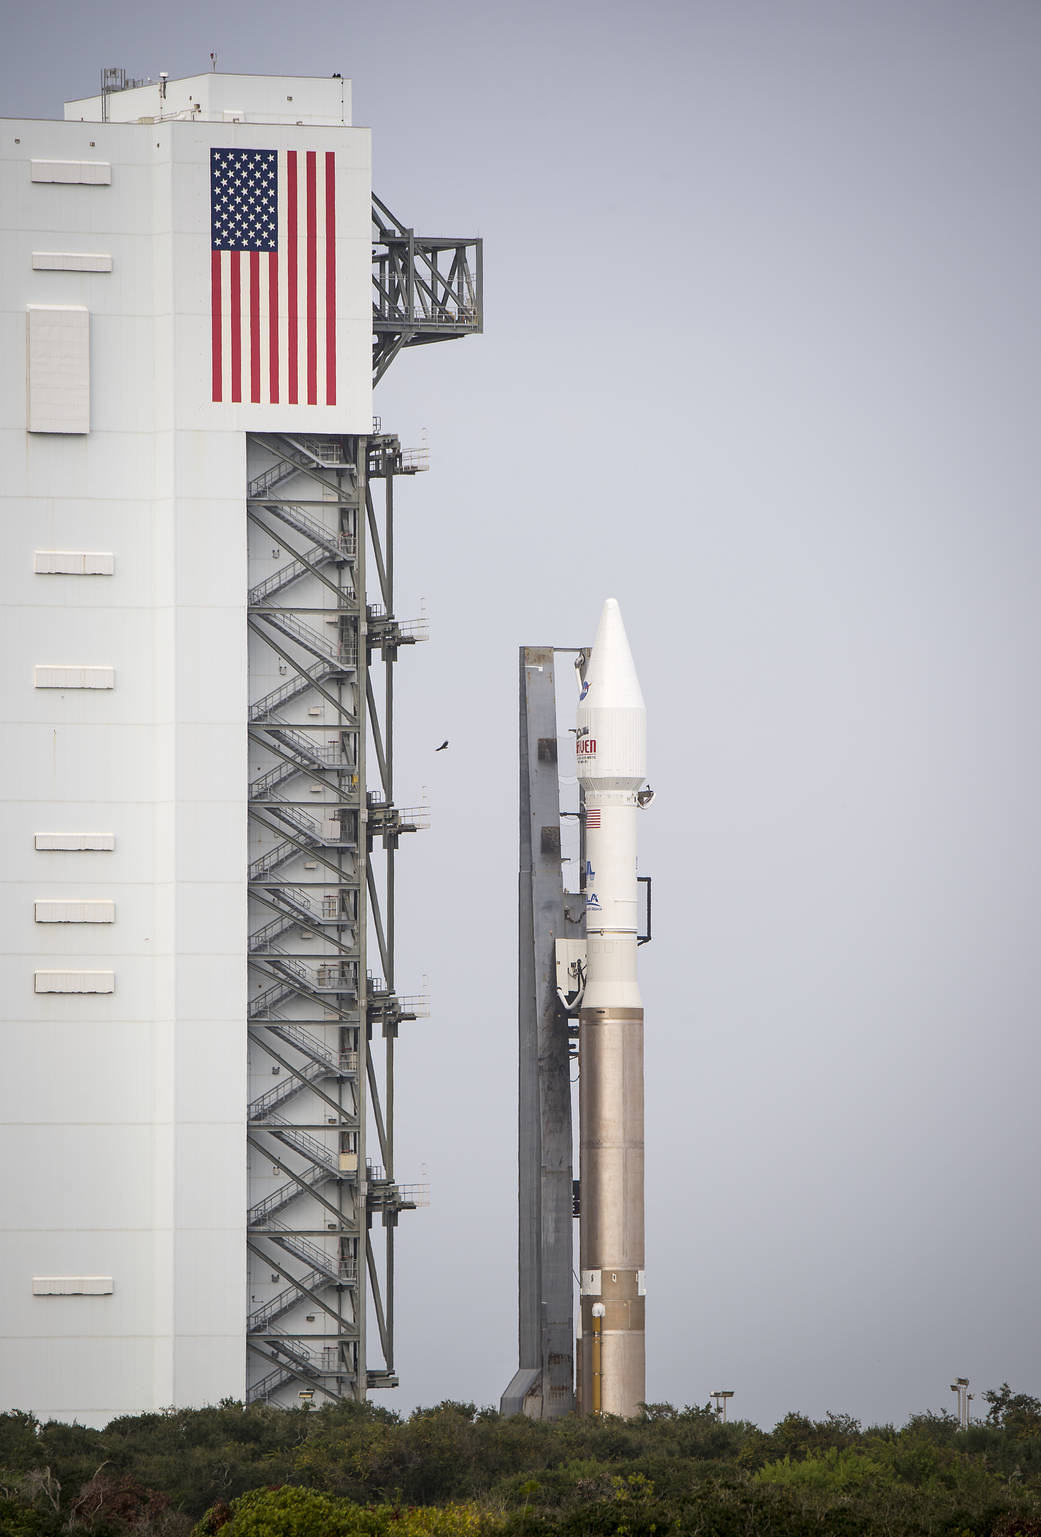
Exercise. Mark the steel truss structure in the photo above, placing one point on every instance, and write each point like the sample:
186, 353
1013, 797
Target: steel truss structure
425, 288
543, 1386
321, 901
324, 835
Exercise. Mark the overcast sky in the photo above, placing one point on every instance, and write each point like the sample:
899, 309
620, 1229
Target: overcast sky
762, 360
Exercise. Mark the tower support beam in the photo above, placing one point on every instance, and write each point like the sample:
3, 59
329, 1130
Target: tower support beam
544, 1384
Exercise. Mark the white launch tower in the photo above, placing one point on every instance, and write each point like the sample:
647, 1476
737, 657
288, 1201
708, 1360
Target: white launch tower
195, 1133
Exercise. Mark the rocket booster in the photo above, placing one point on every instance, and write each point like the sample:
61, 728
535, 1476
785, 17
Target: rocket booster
611, 748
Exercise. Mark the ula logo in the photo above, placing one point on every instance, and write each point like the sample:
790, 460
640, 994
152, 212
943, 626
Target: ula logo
586, 746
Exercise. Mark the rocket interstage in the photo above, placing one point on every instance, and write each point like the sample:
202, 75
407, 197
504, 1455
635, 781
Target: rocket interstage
611, 751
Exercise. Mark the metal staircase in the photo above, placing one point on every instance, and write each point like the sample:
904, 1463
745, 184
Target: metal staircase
337, 1271
294, 905
286, 692
262, 1107
298, 752
262, 1317
313, 884
328, 980
309, 1364
317, 556
266, 1386
301, 1142
336, 546
309, 834
342, 654
281, 1196
310, 1046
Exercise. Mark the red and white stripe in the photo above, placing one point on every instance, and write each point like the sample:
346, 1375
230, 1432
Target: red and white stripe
274, 312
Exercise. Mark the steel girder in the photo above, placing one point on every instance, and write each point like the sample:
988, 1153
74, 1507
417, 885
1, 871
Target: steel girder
384, 824
425, 288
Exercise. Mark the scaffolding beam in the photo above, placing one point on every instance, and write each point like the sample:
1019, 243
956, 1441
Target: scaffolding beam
425, 288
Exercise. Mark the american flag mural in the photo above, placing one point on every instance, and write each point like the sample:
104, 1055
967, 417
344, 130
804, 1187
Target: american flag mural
273, 276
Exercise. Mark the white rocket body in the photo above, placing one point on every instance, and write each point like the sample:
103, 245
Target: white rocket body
611, 750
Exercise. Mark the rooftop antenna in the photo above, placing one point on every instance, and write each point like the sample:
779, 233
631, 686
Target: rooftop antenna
213, 61
114, 78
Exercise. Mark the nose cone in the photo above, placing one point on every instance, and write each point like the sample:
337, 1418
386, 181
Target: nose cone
612, 720
611, 680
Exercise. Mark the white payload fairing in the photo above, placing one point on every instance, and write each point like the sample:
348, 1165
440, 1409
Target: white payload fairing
611, 746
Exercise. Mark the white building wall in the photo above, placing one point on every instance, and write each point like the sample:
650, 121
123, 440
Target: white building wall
122, 1114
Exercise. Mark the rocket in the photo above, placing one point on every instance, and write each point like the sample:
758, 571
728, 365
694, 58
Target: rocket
611, 748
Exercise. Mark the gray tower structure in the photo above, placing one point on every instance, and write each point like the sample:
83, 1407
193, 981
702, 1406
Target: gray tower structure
325, 828
544, 1384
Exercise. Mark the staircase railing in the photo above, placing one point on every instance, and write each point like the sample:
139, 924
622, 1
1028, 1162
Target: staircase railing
341, 654
317, 555
334, 1270
304, 1360
280, 1196
303, 522
279, 990
301, 1142
287, 691
264, 1103
311, 1046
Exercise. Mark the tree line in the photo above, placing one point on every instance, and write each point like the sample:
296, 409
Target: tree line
356, 1470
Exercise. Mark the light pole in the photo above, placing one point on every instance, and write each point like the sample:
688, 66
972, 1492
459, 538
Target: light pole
721, 1395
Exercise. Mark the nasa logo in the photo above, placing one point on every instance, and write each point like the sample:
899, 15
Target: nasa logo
586, 746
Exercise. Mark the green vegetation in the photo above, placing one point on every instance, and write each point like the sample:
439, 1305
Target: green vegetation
360, 1471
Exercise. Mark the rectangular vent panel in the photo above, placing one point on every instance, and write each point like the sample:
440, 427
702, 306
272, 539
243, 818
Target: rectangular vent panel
73, 563
71, 261
74, 912
49, 841
46, 676
72, 1286
57, 368
75, 981
85, 173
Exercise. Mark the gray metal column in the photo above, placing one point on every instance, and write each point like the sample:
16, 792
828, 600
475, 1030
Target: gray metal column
543, 1386
385, 823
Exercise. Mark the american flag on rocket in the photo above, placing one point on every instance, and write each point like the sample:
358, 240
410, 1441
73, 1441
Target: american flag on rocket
273, 276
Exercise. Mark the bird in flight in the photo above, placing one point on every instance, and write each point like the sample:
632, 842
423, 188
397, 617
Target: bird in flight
444, 744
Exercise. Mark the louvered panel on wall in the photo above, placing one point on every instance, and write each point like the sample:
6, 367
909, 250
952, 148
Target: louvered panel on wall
58, 368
